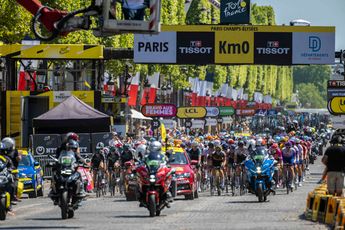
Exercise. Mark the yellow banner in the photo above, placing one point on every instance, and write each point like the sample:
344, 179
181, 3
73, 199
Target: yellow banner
337, 105
163, 132
52, 51
191, 112
234, 47
219, 28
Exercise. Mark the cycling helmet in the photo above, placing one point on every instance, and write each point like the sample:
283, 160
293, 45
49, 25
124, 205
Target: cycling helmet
141, 149
72, 144
241, 143
295, 121
259, 142
218, 148
8, 143
155, 146
274, 146
112, 149
231, 141
99, 146
267, 130
72, 136
217, 143
210, 144
225, 146
195, 144
288, 144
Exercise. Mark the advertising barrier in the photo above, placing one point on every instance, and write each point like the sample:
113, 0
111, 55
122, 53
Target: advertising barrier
44, 144
159, 110
191, 112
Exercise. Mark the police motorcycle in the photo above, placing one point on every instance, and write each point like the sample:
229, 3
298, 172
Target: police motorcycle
67, 181
5, 181
260, 171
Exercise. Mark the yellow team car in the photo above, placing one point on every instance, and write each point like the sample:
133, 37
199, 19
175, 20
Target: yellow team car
31, 175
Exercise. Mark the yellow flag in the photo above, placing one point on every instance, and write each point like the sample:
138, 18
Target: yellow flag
163, 132
87, 84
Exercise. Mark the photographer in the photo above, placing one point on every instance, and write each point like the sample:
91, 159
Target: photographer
334, 159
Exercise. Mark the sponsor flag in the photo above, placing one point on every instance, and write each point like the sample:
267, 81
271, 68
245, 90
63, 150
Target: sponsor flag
25, 82
151, 93
133, 90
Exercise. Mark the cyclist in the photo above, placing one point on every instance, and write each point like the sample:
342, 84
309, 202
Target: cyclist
241, 154
289, 158
113, 157
195, 154
218, 160
98, 161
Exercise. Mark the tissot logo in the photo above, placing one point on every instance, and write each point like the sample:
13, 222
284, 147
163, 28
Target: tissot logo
195, 48
273, 48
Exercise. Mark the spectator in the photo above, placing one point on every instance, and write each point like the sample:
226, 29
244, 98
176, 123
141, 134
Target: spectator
334, 159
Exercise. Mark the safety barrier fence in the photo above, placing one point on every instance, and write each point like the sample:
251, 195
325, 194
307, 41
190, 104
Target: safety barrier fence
325, 208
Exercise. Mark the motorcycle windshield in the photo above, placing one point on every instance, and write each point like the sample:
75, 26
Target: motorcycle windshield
67, 159
153, 160
259, 156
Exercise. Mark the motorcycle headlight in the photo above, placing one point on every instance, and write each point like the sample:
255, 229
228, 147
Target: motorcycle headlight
152, 178
258, 169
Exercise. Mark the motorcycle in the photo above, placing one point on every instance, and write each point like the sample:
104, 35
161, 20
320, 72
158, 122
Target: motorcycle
5, 199
154, 183
260, 171
66, 179
130, 182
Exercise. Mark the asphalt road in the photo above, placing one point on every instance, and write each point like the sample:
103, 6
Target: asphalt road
282, 211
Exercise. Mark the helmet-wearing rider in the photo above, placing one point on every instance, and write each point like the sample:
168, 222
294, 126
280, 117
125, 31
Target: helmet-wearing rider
69, 136
195, 152
126, 155
241, 153
13, 158
218, 161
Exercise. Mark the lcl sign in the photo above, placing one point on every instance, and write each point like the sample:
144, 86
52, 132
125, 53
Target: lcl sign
191, 112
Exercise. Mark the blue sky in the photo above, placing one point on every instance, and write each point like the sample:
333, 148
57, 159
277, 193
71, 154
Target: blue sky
318, 12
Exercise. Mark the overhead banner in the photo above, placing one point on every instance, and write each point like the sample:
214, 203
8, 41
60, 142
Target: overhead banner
234, 11
191, 112
262, 45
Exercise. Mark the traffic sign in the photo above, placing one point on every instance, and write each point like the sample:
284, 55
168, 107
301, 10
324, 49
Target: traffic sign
191, 112
212, 112
155, 124
226, 111
336, 106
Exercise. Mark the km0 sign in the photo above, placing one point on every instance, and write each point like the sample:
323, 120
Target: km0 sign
271, 45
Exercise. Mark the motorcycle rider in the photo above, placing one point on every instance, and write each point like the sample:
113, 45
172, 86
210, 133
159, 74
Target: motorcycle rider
155, 153
218, 160
12, 154
71, 146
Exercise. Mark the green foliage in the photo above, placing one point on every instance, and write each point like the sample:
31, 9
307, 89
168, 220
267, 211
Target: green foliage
316, 75
14, 22
309, 96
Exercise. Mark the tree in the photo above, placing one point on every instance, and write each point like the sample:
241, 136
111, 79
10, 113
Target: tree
309, 96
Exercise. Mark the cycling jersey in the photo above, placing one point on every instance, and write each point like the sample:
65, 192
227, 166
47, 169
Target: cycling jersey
194, 154
217, 158
241, 154
289, 155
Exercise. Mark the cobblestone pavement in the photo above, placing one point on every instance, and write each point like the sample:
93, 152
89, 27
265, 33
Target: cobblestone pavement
282, 211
